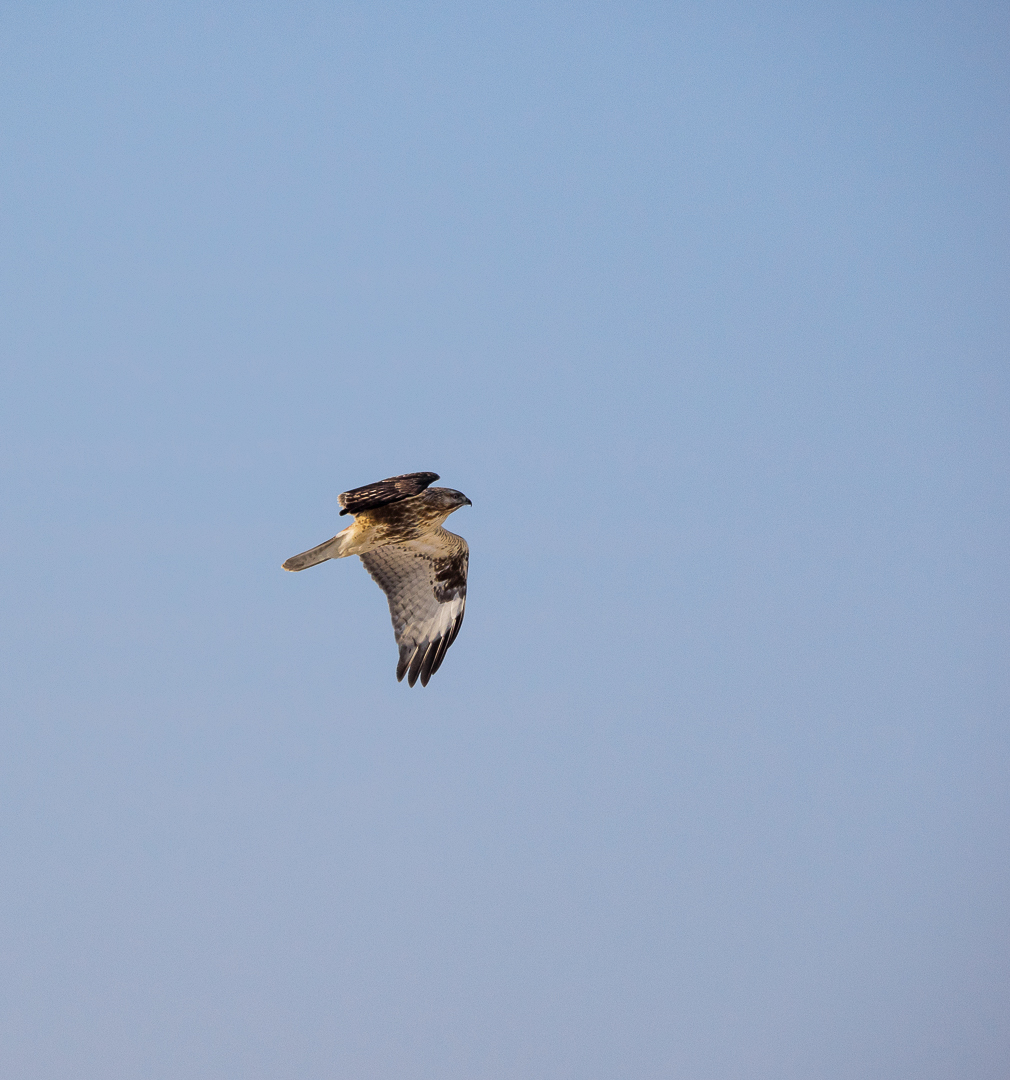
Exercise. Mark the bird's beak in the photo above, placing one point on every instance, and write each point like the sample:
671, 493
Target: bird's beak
467, 503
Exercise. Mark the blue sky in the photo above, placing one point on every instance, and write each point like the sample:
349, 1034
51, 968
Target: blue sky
704, 307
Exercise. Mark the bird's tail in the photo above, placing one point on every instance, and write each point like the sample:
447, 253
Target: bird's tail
331, 549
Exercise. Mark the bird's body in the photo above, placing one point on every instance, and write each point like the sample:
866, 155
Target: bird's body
421, 567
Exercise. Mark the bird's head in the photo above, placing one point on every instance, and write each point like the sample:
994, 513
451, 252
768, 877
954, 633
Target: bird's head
445, 500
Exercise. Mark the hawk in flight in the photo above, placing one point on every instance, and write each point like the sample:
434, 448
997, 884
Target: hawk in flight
421, 567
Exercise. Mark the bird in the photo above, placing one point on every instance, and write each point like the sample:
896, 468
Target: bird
421, 567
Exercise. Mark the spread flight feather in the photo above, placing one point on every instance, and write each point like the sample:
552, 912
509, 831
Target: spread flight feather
421, 567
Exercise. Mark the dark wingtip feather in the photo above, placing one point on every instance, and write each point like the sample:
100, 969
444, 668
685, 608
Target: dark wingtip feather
447, 640
403, 664
416, 661
443, 648
430, 656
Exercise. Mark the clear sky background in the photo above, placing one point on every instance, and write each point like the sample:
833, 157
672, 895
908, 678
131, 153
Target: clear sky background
704, 305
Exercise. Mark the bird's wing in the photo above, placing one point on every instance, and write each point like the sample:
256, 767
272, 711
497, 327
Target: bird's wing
425, 583
384, 492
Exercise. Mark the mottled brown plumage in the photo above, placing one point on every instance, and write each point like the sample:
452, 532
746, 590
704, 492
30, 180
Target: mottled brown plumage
421, 567
394, 489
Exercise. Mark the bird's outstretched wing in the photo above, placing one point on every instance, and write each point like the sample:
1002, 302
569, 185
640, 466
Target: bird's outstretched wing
384, 492
425, 583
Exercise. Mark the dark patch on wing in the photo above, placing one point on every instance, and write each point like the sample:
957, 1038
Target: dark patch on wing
450, 577
392, 489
